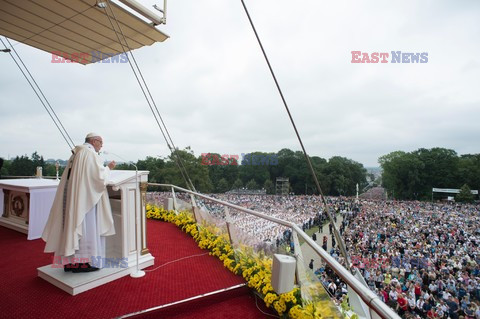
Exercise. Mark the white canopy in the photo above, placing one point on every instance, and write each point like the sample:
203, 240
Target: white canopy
74, 27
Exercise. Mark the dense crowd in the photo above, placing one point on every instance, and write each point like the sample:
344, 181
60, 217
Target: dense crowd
421, 258
304, 211
301, 210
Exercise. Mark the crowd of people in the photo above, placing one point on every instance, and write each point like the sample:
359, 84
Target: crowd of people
421, 258
302, 210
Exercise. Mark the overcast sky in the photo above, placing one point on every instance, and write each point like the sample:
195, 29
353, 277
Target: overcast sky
215, 93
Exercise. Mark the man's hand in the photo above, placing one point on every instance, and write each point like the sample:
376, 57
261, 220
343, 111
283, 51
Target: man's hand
112, 164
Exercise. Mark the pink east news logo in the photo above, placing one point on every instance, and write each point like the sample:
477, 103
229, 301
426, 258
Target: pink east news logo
392, 57
247, 159
85, 57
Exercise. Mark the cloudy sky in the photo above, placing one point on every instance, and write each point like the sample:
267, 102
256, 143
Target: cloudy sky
215, 93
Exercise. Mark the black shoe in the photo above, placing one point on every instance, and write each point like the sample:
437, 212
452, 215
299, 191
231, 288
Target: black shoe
84, 268
69, 267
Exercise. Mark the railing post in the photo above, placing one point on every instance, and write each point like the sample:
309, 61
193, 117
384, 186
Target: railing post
192, 198
194, 209
143, 202
297, 253
174, 201
227, 222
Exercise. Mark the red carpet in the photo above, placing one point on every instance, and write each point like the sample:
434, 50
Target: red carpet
24, 295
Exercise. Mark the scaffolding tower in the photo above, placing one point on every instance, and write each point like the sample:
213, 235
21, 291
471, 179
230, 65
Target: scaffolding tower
282, 186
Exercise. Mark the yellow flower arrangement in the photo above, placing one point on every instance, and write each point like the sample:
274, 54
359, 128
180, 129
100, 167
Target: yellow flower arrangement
319, 309
280, 306
270, 298
296, 312
254, 267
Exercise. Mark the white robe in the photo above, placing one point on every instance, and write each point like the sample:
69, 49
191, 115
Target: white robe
87, 208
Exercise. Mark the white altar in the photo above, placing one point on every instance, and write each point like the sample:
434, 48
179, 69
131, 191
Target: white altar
25, 204
126, 200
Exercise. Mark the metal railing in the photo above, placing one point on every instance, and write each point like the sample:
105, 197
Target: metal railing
28, 177
375, 304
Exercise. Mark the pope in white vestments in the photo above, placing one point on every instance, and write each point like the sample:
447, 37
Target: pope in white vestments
81, 215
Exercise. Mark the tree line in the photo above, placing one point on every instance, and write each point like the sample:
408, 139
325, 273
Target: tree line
405, 175
27, 166
412, 175
217, 173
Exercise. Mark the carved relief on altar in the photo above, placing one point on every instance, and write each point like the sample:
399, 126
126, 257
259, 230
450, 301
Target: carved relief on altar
16, 205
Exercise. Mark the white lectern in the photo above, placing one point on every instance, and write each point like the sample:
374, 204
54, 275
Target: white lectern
127, 199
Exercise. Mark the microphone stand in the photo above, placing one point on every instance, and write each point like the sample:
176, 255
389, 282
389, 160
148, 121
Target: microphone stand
138, 272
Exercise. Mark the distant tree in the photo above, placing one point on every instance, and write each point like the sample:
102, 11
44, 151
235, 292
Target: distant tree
269, 187
222, 186
220, 166
154, 165
51, 170
469, 170
37, 160
237, 184
25, 166
256, 166
251, 184
402, 174
440, 169
293, 166
3, 167
343, 174
22, 166
215, 170
413, 175
125, 166
197, 172
465, 195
